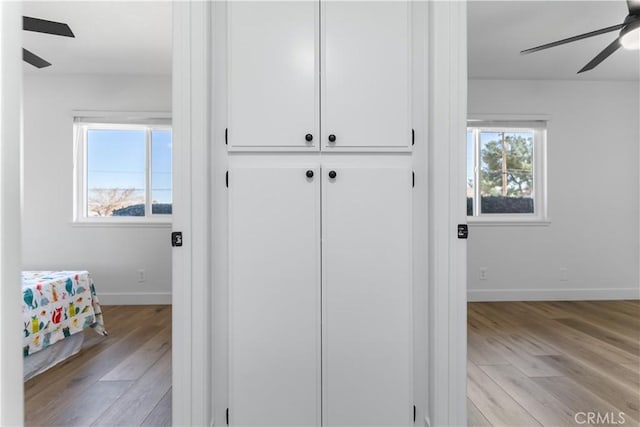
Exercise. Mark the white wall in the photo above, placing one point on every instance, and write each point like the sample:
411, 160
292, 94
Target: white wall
113, 255
593, 139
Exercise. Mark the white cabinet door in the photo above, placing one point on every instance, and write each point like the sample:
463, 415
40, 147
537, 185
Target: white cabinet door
273, 75
365, 75
274, 302
367, 309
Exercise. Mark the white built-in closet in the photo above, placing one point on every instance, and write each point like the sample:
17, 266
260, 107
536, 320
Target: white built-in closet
324, 317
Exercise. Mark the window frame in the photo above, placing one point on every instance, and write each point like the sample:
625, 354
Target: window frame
83, 123
539, 127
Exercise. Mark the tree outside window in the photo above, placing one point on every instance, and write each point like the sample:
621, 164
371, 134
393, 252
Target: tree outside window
501, 171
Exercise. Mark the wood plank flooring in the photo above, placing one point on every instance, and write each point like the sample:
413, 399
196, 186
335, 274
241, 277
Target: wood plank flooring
121, 380
540, 363
529, 364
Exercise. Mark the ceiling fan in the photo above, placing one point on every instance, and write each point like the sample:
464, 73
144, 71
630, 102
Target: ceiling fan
42, 26
628, 38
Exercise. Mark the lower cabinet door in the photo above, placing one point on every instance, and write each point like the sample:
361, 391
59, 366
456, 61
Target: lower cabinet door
274, 297
367, 310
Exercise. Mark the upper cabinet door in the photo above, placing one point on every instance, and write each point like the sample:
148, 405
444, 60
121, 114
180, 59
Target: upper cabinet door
366, 75
273, 51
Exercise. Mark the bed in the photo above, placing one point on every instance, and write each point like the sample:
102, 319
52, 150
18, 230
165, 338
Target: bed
57, 306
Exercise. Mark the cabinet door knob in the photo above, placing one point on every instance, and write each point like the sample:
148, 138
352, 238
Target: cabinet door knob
308, 137
332, 174
332, 138
309, 173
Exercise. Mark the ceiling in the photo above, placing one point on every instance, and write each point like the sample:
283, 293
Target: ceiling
111, 37
134, 37
499, 30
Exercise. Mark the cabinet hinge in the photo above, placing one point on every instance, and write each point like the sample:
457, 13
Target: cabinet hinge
226, 179
228, 416
226, 136
414, 413
413, 137
413, 179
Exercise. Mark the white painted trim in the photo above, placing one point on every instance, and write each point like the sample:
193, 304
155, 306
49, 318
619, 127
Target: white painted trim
566, 294
181, 260
447, 208
219, 161
515, 222
135, 298
122, 115
122, 224
11, 382
508, 117
201, 361
420, 160
191, 365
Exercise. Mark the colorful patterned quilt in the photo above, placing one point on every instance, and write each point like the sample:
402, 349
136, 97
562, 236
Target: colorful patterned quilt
57, 304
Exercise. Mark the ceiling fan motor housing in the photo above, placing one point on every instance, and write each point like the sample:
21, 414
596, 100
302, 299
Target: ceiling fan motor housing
630, 33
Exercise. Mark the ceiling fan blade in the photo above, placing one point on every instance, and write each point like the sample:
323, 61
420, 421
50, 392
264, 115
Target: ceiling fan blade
44, 26
34, 59
574, 38
634, 7
601, 56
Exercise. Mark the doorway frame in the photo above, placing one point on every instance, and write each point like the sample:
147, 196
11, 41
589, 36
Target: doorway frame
447, 209
191, 272
11, 382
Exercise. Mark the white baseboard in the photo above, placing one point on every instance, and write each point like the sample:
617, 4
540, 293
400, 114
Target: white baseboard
487, 295
134, 298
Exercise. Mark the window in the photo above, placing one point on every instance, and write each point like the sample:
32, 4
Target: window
123, 170
506, 171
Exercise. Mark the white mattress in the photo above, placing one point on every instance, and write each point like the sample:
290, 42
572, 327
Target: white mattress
39, 362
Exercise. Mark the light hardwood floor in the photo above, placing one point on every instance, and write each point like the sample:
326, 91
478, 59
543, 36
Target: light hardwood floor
541, 363
530, 364
120, 380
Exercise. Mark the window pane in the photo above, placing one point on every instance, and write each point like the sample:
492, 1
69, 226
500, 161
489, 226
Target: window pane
506, 172
470, 174
115, 172
161, 194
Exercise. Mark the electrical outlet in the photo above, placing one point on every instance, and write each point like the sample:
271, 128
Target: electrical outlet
564, 274
483, 273
141, 276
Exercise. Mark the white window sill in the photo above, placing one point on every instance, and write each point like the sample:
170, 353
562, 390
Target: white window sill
508, 222
122, 224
